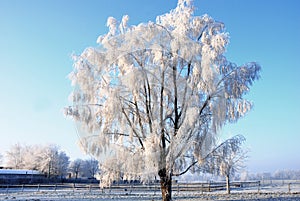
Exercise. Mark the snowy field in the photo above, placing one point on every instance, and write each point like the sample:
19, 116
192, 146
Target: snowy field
272, 192
67, 196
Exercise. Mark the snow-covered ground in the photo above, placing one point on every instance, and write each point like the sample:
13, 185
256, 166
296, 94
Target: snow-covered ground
67, 196
272, 192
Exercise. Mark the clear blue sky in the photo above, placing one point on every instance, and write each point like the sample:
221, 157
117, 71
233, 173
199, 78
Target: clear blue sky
38, 37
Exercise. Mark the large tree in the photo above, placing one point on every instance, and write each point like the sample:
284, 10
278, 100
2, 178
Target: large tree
151, 98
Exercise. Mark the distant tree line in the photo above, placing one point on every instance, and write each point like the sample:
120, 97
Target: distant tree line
49, 160
277, 175
226, 160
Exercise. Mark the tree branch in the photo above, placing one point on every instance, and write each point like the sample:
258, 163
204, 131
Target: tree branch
187, 169
134, 131
139, 117
208, 155
176, 120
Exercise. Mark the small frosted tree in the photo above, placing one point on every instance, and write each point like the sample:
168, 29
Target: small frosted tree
232, 162
226, 160
151, 98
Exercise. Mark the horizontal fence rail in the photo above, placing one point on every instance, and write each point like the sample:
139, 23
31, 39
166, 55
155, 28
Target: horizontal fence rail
126, 188
154, 188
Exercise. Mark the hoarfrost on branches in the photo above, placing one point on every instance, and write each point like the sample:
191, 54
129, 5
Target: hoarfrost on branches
227, 159
47, 159
88, 168
15, 158
151, 98
75, 167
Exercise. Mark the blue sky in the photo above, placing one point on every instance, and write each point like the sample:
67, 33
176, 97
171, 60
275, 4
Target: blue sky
38, 37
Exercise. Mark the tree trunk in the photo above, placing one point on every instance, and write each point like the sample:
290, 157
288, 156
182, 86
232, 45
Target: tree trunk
228, 184
165, 185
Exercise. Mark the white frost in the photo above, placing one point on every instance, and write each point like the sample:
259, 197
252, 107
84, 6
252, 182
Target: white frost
154, 95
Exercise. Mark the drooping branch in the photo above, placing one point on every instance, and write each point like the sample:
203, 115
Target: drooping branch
237, 138
186, 170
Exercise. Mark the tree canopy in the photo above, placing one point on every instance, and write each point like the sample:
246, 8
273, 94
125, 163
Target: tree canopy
151, 98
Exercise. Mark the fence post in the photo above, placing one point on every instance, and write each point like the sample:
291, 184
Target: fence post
73, 187
258, 189
289, 187
55, 187
202, 188
22, 187
90, 189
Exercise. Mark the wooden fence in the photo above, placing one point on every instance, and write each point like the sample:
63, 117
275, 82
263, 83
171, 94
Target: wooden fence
134, 188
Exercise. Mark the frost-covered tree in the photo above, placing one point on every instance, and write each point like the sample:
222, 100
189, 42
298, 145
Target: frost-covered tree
52, 161
56, 161
15, 157
48, 159
90, 168
76, 167
150, 99
227, 159
32, 156
23, 156
61, 164
231, 164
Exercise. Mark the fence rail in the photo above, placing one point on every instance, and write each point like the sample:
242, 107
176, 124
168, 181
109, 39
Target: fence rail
48, 187
127, 188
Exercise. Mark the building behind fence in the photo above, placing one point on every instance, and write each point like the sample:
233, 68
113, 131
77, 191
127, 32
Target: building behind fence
12, 176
